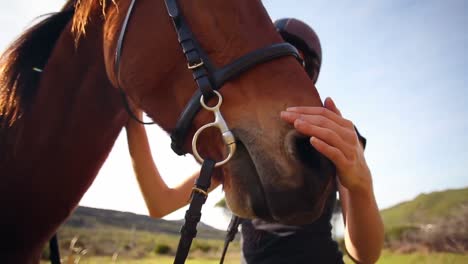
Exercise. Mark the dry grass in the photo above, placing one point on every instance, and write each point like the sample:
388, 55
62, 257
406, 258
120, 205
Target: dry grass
230, 259
389, 257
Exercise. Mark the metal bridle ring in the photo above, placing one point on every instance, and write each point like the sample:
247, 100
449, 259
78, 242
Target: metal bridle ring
220, 123
214, 108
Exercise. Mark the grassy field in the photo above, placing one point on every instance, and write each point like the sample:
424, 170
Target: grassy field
419, 258
104, 232
155, 260
387, 258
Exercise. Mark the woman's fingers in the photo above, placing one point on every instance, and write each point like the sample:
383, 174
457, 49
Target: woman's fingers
327, 133
289, 116
326, 125
319, 121
332, 153
322, 111
333, 136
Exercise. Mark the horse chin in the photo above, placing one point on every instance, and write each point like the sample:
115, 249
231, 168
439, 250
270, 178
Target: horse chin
244, 190
307, 217
255, 187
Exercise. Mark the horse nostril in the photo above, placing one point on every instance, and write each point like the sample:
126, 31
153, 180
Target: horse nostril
306, 153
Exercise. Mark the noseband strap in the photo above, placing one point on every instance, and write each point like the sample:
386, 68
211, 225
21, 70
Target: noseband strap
206, 76
220, 77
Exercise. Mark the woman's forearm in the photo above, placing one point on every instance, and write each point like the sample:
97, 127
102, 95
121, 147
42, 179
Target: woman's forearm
364, 233
160, 199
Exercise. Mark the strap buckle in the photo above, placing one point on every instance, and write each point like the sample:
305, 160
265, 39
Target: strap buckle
195, 65
199, 190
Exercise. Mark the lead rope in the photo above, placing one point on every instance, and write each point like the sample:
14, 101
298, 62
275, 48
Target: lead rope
231, 234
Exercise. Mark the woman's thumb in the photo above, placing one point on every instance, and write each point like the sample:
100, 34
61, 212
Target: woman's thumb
330, 105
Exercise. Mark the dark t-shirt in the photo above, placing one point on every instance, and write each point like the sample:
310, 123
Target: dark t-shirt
267, 243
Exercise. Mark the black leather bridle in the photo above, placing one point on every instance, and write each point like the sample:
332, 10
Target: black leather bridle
208, 79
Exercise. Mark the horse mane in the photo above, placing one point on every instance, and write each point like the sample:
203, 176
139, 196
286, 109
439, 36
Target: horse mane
84, 9
20, 63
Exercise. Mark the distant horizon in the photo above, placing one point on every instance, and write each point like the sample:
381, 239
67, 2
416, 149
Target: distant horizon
182, 219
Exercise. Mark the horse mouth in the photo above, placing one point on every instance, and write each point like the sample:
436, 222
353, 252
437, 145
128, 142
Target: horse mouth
289, 186
264, 203
247, 176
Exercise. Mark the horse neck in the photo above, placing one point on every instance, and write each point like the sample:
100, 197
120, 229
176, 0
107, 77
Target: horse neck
75, 102
63, 139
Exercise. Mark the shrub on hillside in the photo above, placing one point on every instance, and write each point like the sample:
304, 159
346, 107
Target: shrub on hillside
202, 246
162, 249
399, 233
449, 234
45, 253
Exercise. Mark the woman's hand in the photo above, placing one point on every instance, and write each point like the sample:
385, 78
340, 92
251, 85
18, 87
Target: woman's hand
335, 137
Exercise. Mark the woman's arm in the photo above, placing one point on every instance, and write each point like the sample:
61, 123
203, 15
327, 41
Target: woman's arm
160, 199
336, 138
360, 212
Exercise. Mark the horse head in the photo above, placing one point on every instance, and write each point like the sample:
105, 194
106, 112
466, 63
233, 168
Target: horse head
275, 173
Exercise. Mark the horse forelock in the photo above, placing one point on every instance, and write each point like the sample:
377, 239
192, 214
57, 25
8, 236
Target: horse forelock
84, 9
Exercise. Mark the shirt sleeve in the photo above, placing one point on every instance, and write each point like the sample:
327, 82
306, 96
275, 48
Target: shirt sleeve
361, 138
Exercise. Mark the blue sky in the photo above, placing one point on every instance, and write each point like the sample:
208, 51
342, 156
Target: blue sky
397, 68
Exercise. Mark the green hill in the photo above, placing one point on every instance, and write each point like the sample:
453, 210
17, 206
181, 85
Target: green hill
105, 232
425, 208
92, 218
102, 232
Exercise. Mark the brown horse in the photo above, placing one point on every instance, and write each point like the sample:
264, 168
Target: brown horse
60, 112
